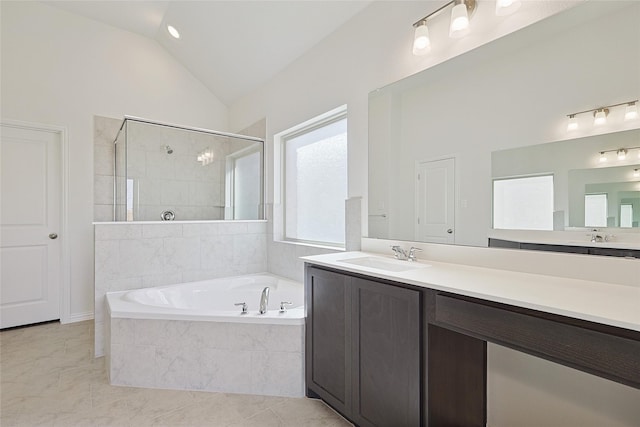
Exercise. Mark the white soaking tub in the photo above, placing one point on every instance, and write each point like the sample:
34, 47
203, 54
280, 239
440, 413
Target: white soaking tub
191, 336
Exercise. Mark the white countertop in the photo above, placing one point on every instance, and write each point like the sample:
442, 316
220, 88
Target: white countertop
606, 303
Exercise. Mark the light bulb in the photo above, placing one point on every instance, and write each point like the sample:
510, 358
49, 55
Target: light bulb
421, 40
507, 7
573, 123
459, 20
631, 112
600, 116
603, 157
174, 33
622, 154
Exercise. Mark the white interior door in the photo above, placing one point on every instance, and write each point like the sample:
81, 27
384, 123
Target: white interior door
30, 206
435, 201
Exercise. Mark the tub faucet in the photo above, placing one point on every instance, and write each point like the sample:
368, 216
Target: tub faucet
264, 300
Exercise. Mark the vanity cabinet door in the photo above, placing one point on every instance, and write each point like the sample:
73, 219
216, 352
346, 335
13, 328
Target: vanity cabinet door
328, 337
386, 354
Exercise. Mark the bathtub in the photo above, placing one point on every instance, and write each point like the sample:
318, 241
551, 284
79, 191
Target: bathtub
192, 337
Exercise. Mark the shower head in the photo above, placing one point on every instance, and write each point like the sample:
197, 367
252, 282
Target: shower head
168, 149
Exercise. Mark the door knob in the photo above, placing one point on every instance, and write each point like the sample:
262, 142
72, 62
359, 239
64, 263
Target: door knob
450, 231
53, 236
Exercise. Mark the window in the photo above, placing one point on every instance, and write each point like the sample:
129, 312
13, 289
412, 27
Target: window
315, 179
626, 215
523, 203
595, 210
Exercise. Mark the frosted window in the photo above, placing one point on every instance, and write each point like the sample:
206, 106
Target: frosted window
316, 183
626, 215
247, 192
523, 203
595, 210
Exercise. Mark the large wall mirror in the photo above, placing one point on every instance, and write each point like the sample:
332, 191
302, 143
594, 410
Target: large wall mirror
433, 136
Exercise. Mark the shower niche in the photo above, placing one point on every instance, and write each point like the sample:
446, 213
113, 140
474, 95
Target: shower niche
166, 172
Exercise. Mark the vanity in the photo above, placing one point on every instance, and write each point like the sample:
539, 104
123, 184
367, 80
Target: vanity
397, 343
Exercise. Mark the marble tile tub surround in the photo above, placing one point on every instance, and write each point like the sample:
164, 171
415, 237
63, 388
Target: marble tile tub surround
264, 359
138, 255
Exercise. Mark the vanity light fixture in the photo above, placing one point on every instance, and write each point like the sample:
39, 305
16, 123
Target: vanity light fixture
622, 154
507, 7
421, 40
603, 157
636, 173
600, 114
460, 15
631, 112
172, 30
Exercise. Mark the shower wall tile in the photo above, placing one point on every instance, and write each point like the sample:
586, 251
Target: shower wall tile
133, 256
105, 130
103, 190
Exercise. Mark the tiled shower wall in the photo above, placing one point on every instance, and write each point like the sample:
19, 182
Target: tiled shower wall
105, 130
139, 255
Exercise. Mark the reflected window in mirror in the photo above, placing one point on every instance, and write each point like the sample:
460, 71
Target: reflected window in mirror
626, 216
595, 210
523, 203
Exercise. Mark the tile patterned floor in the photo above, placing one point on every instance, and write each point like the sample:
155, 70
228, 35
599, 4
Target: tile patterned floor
49, 377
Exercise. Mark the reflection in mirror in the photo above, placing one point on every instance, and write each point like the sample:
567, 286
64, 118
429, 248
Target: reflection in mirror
432, 135
581, 190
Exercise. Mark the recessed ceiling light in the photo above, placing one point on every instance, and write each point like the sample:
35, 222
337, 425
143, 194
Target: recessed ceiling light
174, 33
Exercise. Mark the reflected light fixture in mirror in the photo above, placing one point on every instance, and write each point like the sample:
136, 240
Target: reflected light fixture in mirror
631, 112
573, 122
507, 7
636, 173
622, 154
603, 157
600, 116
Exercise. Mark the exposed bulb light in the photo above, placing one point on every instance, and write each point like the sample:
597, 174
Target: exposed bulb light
573, 123
421, 40
636, 173
174, 33
631, 112
600, 116
622, 154
459, 20
603, 157
507, 7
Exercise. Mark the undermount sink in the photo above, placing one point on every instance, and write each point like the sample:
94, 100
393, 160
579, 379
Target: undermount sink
384, 263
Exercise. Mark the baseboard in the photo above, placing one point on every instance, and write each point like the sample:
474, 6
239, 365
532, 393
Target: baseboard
78, 317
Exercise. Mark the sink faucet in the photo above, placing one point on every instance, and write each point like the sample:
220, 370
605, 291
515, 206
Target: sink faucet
596, 238
264, 300
399, 253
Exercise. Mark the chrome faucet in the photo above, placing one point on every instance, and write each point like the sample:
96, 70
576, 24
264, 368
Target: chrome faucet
399, 253
412, 254
264, 301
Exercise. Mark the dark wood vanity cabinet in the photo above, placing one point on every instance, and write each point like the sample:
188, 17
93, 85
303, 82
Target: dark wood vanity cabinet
363, 348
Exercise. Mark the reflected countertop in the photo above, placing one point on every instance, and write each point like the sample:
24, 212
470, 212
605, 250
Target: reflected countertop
606, 303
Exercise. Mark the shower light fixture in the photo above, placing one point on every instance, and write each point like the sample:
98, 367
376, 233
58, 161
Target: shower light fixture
172, 30
507, 7
600, 114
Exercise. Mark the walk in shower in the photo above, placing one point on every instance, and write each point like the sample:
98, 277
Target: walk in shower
170, 172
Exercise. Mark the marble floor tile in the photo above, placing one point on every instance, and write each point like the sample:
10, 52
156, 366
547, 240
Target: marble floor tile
49, 377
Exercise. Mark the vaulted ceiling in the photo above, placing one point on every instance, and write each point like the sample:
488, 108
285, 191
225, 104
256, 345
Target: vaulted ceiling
232, 47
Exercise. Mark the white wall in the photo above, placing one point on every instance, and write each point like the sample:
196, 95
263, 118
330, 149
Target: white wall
62, 69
